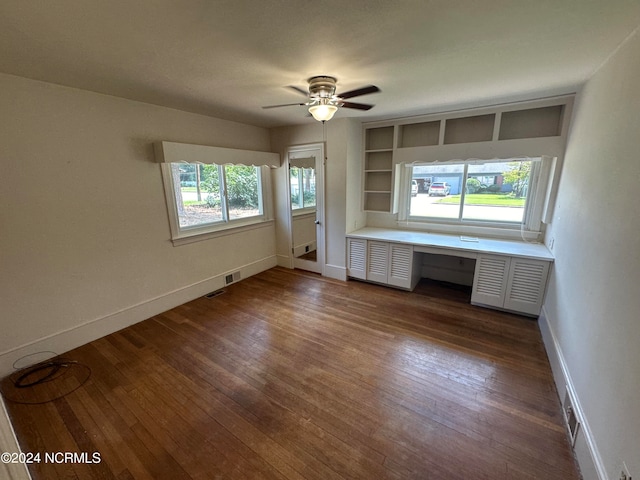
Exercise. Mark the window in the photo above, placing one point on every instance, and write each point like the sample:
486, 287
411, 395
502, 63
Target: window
303, 188
204, 198
503, 194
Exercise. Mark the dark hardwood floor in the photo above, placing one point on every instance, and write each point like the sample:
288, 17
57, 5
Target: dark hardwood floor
289, 375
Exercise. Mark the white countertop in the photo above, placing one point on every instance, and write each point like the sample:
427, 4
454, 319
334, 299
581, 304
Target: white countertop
456, 242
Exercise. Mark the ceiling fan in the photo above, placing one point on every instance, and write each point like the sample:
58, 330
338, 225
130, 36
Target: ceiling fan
323, 101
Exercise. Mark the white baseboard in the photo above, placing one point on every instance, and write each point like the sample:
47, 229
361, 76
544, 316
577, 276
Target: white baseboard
284, 261
585, 448
9, 444
78, 335
335, 272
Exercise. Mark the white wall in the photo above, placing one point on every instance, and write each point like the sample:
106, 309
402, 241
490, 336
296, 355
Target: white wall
84, 229
592, 308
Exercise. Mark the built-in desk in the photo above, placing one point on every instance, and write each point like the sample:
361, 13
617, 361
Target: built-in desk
509, 275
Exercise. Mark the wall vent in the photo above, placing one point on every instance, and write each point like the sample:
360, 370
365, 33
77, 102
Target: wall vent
570, 416
214, 294
232, 278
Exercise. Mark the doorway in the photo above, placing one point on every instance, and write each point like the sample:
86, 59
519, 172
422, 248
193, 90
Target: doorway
305, 164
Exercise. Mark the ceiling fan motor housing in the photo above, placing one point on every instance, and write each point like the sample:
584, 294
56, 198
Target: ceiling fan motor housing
322, 86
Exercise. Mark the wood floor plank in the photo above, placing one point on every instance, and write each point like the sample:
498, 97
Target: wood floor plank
292, 376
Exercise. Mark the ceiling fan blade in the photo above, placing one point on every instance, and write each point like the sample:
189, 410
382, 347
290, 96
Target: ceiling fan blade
357, 106
299, 90
359, 91
284, 105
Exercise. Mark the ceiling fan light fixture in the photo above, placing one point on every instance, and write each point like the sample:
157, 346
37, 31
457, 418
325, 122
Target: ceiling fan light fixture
323, 112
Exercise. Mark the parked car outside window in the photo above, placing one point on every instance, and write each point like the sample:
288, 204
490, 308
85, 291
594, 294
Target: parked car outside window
439, 188
414, 188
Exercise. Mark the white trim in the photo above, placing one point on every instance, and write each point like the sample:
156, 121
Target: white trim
172, 152
9, 443
562, 378
336, 272
285, 261
86, 332
229, 229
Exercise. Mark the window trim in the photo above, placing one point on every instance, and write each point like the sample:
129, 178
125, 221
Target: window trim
529, 229
185, 235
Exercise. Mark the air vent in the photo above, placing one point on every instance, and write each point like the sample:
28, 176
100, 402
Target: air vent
232, 278
214, 294
570, 417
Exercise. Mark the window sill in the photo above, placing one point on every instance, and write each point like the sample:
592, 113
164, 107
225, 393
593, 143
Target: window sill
231, 229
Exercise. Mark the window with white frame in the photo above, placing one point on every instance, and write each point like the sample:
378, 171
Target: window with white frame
499, 193
204, 198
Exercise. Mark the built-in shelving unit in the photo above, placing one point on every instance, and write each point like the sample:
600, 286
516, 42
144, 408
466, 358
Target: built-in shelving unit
532, 128
378, 169
531, 123
478, 128
422, 134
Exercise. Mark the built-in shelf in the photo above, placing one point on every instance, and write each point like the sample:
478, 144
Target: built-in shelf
377, 201
533, 128
478, 128
531, 123
378, 181
380, 139
421, 134
378, 169
379, 160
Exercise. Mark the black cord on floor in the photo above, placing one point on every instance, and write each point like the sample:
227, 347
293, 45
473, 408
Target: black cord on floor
16, 387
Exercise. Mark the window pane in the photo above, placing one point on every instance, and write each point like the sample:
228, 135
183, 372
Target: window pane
438, 191
197, 192
243, 191
497, 191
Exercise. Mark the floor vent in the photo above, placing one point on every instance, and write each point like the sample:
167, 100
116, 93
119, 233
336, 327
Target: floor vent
570, 417
232, 278
214, 294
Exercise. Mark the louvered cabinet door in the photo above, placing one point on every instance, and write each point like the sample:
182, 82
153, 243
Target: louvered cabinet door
357, 258
490, 280
377, 261
525, 286
400, 265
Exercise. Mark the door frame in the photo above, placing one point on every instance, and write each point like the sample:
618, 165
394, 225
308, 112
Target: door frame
296, 151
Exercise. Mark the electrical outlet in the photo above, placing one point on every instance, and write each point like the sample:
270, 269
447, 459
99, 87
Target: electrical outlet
624, 472
553, 240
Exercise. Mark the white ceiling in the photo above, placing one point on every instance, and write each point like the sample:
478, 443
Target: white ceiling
229, 58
